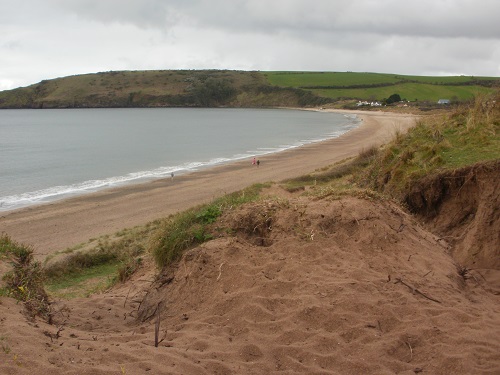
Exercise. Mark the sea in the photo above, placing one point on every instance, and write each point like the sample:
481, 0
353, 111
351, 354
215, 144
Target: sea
46, 155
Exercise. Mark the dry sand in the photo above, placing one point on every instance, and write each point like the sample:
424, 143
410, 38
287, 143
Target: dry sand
300, 286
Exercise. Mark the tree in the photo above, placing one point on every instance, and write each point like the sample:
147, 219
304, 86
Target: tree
213, 92
394, 98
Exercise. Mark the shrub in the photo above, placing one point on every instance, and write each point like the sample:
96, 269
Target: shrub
25, 281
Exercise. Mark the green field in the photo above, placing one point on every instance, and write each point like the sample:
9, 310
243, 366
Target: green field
378, 86
301, 79
409, 91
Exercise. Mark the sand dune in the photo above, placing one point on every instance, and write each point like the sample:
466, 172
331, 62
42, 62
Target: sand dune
343, 287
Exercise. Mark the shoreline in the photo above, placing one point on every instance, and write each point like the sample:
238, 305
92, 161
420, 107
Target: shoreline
57, 225
60, 190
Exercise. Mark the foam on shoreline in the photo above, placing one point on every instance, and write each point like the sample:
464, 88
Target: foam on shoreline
17, 201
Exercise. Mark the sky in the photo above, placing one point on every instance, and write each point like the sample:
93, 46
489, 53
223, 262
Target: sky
56, 38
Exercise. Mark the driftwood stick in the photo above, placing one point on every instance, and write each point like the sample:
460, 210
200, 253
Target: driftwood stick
415, 290
157, 327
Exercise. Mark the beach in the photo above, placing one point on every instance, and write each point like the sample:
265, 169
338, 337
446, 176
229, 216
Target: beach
56, 226
310, 286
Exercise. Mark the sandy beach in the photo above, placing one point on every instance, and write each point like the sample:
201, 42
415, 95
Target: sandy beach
55, 226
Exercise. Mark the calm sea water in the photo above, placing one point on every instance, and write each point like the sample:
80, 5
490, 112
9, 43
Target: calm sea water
50, 154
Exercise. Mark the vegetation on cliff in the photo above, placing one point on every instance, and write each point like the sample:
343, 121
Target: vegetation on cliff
224, 88
165, 88
456, 139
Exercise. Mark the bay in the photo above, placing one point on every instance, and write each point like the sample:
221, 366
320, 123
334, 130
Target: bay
52, 154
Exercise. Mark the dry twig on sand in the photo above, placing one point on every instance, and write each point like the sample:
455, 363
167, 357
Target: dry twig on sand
126, 298
220, 271
415, 290
157, 326
411, 351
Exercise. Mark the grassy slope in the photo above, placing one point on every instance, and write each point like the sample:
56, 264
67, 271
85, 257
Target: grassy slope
445, 142
466, 136
423, 88
246, 89
122, 89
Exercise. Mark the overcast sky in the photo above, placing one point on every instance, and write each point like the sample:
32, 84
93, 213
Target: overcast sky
45, 39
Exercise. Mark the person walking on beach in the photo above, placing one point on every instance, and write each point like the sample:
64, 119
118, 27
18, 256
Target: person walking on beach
253, 161
258, 163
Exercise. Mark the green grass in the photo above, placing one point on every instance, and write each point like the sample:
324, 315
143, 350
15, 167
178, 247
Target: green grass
98, 264
25, 282
300, 79
74, 272
446, 80
336, 181
409, 91
333, 173
461, 138
84, 282
304, 79
194, 226
350, 85
81, 262
7, 246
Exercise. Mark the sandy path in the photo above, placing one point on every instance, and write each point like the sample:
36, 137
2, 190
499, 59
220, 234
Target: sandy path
56, 226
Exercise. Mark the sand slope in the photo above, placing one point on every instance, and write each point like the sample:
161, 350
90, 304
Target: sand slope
317, 287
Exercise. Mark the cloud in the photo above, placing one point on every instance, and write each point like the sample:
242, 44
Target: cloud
42, 40
436, 18
142, 13
431, 18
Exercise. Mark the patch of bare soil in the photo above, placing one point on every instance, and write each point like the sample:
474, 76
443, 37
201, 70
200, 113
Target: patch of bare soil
293, 286
463, 207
